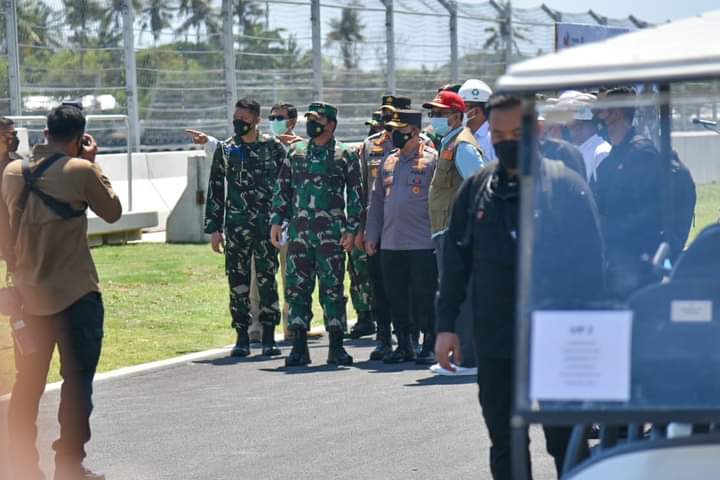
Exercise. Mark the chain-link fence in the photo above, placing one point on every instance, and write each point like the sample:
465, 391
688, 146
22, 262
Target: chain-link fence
176, 64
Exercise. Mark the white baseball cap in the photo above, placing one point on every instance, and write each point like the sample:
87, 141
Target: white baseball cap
475, 90
579, 103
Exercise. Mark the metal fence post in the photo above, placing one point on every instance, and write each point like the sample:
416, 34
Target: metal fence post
131, 90
390, 48
451, 7
229, 57
316, 49
10, 7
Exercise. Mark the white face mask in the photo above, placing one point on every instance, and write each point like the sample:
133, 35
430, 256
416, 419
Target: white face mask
278, 127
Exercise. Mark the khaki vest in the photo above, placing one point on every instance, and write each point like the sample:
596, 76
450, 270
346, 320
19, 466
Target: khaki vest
446, 181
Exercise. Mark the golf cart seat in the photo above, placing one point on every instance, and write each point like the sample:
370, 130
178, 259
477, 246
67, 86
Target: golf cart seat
702, 259
675, 354
689, 458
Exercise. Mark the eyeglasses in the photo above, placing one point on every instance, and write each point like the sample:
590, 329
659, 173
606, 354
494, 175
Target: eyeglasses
276, 117
439, 114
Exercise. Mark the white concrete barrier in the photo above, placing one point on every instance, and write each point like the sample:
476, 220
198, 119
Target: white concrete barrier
186, 220
700, 151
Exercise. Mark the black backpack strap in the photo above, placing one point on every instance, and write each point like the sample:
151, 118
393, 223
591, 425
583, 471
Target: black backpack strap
62, 209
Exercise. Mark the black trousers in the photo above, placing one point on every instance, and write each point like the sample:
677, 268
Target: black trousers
410, 278
380, 306
496, 382
77, 332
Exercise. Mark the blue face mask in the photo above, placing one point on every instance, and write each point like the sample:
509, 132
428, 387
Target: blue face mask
278, 127
440, 125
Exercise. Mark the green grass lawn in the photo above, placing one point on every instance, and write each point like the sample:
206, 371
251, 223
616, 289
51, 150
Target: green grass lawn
160, 301
167, 300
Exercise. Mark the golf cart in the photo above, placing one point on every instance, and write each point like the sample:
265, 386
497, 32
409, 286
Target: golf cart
643, 365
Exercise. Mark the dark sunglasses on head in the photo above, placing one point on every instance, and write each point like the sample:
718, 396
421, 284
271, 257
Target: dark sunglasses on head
276, 117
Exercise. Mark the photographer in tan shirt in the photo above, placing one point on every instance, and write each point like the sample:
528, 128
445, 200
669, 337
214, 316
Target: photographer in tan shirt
58, 284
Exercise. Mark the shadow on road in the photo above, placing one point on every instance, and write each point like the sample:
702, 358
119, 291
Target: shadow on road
380, 367
442, 380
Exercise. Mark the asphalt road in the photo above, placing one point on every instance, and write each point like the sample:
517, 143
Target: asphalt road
224, 418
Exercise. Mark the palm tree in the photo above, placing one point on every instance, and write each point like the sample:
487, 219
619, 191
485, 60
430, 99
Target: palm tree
79, 15
199, 13
112, 17
37, 24
347, 33
499, 33
156, 16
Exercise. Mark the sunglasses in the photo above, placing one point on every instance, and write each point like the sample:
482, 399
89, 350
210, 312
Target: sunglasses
276, 117
439, 114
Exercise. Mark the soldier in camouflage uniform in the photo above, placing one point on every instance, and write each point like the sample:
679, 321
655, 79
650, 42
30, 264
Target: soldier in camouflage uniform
310, 193
249, 164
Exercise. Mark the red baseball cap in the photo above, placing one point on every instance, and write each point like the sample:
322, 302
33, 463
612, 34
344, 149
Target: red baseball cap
447, 100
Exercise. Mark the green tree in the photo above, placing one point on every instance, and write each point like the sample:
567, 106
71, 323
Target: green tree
111, 23
347, 33
81, 15
38, 24
156, 16
500, 32
199, 13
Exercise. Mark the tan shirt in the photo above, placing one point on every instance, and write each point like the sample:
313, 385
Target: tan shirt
54, 267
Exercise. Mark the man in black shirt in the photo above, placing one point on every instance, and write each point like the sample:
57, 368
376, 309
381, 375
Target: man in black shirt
629, 187
483, 238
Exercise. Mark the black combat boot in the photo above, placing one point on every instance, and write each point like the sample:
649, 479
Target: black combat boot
364, 326
384, 343
242, 345
299, 355
404, 351
336, 353
427, 354
269, 348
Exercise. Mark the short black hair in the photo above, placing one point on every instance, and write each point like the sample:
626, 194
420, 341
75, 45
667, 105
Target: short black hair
6, 123
66, 123
249, 104
627, 92
501, 101
291, 109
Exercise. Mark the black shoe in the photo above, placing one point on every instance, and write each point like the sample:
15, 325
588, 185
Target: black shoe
404, 351
299, 355
269, 347
336, 353
427, 354
242, 345
384, 343
76, 472
364, 326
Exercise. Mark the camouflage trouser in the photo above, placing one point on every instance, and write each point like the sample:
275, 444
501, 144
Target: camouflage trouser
243, 242
359, 280
326, 262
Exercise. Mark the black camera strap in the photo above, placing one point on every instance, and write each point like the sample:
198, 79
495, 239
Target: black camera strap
62, 209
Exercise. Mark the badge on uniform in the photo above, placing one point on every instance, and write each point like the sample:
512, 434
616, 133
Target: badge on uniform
416, 189
374, 171
447, 154
480, 215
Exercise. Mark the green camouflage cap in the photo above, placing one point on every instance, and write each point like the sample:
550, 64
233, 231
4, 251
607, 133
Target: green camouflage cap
375, 120
324, 109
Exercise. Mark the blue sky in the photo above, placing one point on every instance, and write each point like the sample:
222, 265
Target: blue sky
650, 10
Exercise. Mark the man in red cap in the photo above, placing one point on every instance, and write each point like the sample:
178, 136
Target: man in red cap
460, 157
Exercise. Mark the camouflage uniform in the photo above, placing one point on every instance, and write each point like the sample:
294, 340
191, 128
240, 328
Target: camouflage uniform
310, 194
250, 171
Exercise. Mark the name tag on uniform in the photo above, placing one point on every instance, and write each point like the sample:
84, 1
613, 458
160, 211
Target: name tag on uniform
374, 171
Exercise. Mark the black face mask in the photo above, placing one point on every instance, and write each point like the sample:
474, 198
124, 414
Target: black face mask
242, 128
315, 128
507, 152
400, 139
